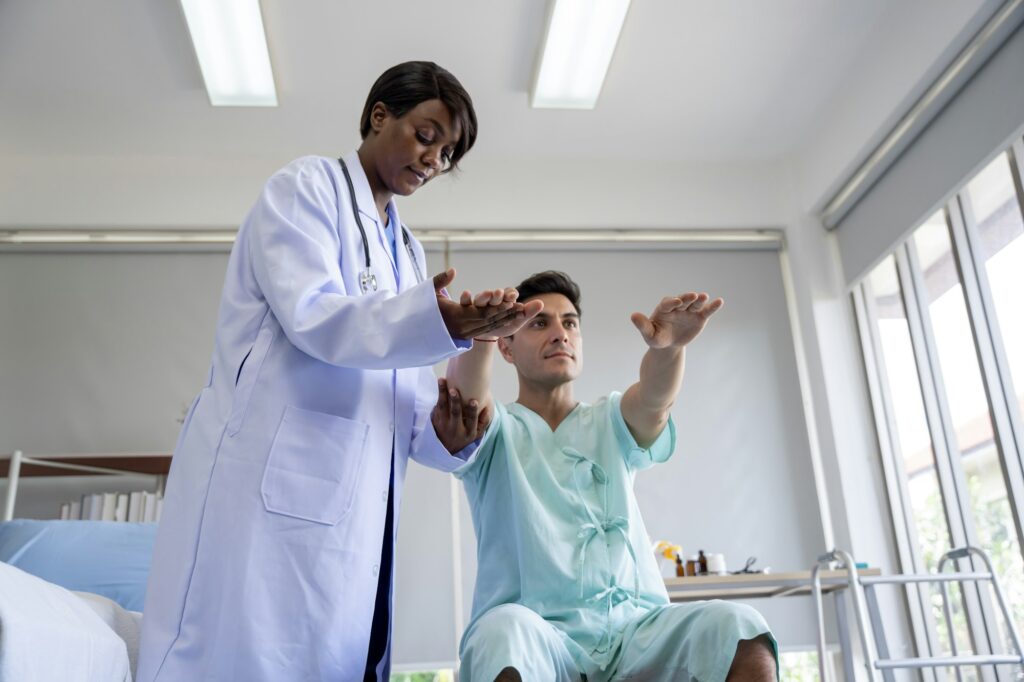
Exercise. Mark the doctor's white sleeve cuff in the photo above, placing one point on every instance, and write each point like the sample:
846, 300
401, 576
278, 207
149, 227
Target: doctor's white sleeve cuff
427, 319
432, 453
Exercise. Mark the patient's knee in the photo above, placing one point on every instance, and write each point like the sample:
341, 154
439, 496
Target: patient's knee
509, 674
754, 661
502, 620
733, 613
511, 642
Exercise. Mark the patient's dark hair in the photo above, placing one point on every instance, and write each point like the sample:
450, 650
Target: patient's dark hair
406, 85
550, 282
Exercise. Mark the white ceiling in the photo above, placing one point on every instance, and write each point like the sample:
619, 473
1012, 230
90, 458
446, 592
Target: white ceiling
691, 81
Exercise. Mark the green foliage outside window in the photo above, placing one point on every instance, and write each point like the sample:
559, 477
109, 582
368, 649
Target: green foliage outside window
430, 676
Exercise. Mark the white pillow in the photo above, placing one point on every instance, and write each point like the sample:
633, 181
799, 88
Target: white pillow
127, 624
47, 633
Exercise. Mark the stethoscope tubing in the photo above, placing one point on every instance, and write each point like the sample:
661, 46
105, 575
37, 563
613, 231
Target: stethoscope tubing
367, 274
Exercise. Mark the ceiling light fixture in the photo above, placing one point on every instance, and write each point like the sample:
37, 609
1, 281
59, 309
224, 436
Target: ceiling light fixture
232, 51
578, 47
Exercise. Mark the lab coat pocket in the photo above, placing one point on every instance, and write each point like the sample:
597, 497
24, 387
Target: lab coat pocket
313, 466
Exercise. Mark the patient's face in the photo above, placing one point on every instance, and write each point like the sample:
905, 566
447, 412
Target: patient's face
549, 349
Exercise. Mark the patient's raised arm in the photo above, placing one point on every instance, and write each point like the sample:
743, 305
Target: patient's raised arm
675, 322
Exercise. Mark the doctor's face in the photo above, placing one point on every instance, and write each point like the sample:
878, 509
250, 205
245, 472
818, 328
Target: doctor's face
415, 148
549, 349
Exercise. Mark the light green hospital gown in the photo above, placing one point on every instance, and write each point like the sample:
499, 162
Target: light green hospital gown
566, 581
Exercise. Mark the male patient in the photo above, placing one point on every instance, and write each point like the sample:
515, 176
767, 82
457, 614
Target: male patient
567, 587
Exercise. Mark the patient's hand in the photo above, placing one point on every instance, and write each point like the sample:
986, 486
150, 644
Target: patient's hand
494, 299
677, 320
457, 425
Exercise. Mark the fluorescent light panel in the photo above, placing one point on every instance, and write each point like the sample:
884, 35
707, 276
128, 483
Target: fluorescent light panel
578, 48
232, 50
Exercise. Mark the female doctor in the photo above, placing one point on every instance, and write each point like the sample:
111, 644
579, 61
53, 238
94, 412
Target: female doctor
273, 557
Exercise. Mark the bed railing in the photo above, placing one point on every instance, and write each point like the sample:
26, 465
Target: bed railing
18, 465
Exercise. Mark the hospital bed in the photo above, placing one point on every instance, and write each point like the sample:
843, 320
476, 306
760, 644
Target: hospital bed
71, 595
18, 465
71, 592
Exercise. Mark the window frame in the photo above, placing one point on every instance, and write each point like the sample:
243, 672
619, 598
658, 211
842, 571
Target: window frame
1007, 427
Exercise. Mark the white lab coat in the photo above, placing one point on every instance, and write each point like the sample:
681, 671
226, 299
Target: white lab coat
266, 560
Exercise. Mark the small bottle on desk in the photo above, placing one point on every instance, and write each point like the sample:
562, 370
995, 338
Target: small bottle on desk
680, 569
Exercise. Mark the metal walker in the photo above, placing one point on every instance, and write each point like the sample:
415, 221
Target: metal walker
872, 635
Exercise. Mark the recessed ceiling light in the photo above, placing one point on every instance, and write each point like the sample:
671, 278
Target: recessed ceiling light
578, 48
232, 50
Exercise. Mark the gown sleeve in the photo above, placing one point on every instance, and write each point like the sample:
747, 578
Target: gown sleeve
639, 458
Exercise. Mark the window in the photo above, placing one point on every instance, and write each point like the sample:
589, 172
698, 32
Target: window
992, 206
942, 321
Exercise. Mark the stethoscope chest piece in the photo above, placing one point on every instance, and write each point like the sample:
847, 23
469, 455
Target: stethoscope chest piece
367, 281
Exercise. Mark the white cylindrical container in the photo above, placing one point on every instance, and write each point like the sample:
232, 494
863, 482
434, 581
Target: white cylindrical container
716, 564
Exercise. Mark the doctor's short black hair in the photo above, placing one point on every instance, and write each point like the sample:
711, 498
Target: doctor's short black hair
550, 282
406, 85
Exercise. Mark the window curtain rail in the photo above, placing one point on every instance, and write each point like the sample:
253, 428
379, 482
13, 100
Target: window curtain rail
983, 45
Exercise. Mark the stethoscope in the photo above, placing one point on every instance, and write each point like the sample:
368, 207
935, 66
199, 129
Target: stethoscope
368, 280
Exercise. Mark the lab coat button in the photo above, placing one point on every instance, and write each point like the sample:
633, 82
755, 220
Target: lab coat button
384, 496
376, 570
391, 426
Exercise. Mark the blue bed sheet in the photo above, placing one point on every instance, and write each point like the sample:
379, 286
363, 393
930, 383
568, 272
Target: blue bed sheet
103, 557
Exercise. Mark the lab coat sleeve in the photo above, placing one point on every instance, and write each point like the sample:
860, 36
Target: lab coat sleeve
295, 247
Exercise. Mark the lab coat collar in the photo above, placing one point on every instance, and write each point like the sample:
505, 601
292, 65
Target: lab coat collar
364, 196
368, 208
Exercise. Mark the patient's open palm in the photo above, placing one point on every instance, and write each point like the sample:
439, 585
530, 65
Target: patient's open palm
495, 298
677, 320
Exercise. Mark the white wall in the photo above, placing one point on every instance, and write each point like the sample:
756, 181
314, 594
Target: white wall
911, 46
188, 192
852, 468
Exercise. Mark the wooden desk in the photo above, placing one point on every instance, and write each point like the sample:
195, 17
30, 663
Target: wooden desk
756, 585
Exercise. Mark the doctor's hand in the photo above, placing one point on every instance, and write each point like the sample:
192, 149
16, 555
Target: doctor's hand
469, 321
677, 320
457, 425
